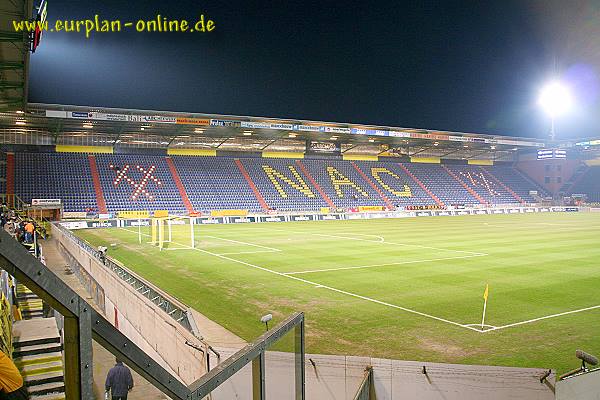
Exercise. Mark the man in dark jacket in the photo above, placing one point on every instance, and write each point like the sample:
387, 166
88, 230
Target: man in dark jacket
119, 381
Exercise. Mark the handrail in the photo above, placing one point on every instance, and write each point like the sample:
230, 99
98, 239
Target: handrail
173, 307
366, 386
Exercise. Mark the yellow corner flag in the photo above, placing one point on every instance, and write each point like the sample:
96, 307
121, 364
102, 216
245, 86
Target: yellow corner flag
485, 297
486, 292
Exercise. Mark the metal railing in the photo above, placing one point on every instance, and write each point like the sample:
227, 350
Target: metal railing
82, 323
178, 312
365, 390
12, 201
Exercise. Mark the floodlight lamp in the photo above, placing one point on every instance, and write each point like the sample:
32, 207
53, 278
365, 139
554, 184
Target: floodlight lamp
555, 99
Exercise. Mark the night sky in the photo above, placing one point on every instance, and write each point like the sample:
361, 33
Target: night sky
470, 66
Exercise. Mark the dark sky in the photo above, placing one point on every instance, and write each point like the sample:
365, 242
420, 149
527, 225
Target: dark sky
471, 66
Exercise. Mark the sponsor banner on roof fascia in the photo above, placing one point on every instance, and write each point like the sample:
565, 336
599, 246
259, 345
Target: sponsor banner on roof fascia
223, 122
152, 118
77, 114
335, 129
429, 136
453, 138
255, 125
520, 143
110, 117
307, 128
287, 127
193, 121
45, 202
399, 134
372, 132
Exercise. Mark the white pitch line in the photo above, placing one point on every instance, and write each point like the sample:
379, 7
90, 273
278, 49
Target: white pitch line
249, 252
382, 265
376, 241
529, 321
245, 243
329, 288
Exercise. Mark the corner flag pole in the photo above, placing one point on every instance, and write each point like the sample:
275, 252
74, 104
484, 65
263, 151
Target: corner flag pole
485, 298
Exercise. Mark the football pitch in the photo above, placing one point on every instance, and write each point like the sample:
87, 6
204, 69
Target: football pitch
409, 289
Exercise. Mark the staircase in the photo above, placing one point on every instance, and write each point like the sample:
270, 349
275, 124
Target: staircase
385, 199
505, 187
184, 197
464, 185
29, 304
257, 194
315, 184
38, 356
97, 185
422, 186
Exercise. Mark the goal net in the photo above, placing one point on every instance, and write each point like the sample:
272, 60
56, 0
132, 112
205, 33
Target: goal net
172, 233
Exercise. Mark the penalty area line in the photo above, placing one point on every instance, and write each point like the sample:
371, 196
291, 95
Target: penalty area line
244, 243
375, 241
381, 265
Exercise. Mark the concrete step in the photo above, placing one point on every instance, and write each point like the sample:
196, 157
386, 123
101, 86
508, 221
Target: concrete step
37, 350
35, 341
47, 388
43, 380
51, 396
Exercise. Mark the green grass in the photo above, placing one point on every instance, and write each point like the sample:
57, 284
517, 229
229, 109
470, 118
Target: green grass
536, 265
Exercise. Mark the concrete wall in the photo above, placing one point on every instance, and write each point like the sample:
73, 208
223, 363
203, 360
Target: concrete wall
141, 320
581, 387
338, 378
536, 169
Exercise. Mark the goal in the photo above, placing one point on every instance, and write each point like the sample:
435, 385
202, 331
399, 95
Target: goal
172, 233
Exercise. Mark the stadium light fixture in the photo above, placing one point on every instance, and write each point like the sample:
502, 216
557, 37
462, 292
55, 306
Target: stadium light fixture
292, 135
20, 123
555, 100
20, 112
88, 126
142, 128
372, 140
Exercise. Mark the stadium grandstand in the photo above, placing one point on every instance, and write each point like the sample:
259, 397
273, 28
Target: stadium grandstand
107, 160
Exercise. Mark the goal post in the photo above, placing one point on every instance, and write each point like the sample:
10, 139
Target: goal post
161, 231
